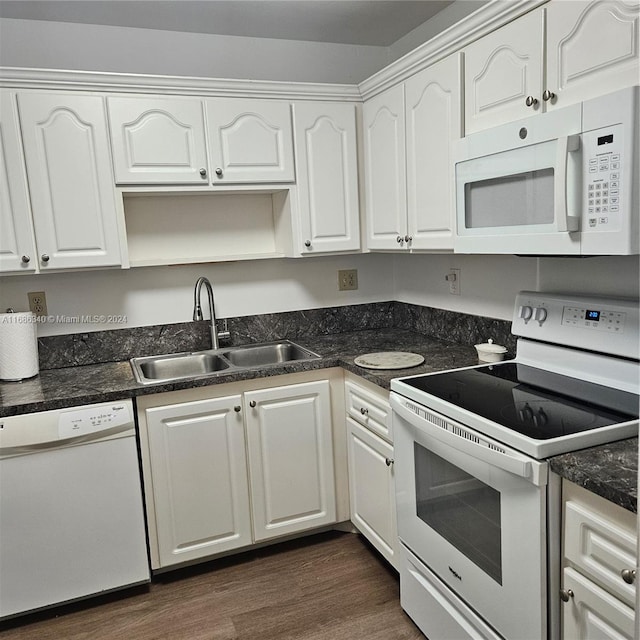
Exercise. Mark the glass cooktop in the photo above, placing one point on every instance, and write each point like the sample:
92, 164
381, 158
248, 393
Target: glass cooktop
533, 402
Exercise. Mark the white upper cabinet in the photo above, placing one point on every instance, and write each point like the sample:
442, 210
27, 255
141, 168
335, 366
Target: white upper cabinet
385, 169
409, 133
17, 246
250, 140
591, 48
158, 140
503, 74
66, 148
327, 177
163, 140
433, 119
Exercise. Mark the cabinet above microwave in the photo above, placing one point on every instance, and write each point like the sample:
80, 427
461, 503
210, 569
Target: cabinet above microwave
565, 182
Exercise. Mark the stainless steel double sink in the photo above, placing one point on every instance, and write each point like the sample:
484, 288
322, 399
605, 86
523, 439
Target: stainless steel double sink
176, 366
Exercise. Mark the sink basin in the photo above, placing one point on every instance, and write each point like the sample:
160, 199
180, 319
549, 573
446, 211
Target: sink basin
176, 366
263, 354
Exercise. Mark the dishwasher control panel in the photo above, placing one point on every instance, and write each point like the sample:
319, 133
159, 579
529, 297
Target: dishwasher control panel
42, 430
86, 420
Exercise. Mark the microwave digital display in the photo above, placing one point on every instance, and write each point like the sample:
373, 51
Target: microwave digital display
594, 316
605, 139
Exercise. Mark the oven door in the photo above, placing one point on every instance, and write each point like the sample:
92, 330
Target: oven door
518, 187
474, 512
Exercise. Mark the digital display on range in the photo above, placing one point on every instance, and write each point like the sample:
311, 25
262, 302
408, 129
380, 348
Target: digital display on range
592, 315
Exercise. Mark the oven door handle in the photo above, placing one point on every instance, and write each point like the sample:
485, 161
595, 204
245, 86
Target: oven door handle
476, 445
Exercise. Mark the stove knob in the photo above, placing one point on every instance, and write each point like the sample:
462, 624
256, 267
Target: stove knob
525, 313
540, 315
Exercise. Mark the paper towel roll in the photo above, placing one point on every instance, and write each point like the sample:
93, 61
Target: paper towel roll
18, 346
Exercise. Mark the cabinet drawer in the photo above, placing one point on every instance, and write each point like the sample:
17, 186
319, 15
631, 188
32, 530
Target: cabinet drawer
601, 542
370, 410
592, 613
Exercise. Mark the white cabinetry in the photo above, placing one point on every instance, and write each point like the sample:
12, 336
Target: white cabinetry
161, 140
590, 48
200, 488
291, 458
250, 140
66, 148
409, 132
600, 543
158, 140
17, 245
242, 466
370, 454
385, 169
327, 177
433, 119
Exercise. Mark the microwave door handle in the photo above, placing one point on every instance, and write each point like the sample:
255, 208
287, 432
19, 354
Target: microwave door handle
564, 221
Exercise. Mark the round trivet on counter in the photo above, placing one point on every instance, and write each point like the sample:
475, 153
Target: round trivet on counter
389, 360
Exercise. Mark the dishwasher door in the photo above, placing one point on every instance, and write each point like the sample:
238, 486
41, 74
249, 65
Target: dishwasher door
71, 514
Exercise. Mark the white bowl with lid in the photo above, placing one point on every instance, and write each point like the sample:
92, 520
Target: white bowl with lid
489, 352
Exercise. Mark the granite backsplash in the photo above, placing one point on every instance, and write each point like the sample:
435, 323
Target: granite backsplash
115, 345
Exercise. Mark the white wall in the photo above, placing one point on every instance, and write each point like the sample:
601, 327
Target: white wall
439, 23
158, 295
65, 45
489, 283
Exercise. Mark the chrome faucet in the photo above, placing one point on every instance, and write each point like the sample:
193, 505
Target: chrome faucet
197, 311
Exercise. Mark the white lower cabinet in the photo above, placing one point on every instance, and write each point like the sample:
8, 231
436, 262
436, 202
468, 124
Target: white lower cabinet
600, 561
290, 458
371, 481
225, 472
199, 471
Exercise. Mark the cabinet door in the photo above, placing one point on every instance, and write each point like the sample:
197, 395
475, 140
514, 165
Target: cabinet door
592, 613
502, 70
592, 48
250, 141
291, 458
385, 169
199, 476
158, 140
68, 160
17, 248
433, 123
327, 176
372, 489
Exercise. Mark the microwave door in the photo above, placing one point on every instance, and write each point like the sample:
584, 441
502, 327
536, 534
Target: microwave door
520, 201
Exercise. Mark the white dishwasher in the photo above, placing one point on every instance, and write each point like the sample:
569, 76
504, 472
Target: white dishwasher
71, 514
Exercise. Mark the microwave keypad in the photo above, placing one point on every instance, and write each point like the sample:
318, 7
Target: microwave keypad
603, 190
603, 157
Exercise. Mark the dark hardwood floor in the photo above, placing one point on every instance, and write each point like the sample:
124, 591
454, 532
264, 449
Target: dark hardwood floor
331, 586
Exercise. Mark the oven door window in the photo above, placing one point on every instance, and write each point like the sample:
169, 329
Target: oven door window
460, 508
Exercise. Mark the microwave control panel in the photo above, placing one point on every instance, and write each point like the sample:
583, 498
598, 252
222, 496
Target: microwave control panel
602, 157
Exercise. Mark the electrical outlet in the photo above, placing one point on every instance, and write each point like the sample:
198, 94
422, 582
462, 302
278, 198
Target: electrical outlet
347, 279
37, 302
453, 278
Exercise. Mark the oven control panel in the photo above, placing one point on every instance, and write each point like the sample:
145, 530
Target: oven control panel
598, 319
607, 325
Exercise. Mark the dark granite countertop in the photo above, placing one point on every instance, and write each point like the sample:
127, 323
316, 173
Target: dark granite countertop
607, 470
72, 386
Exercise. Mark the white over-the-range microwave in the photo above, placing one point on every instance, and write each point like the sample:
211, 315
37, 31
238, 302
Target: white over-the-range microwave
560, 183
